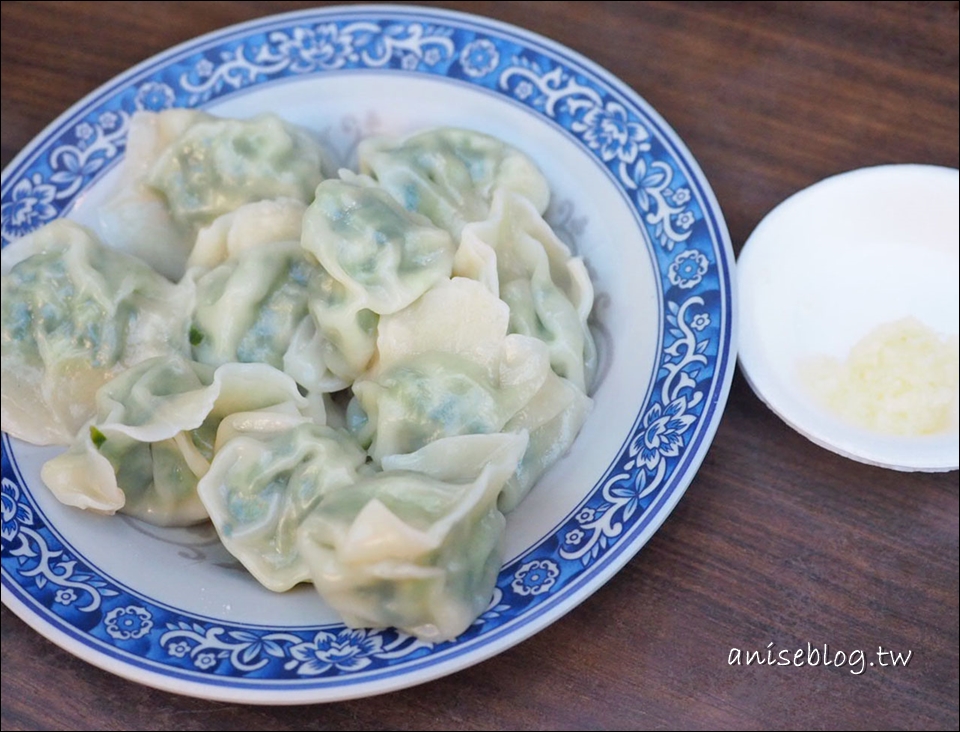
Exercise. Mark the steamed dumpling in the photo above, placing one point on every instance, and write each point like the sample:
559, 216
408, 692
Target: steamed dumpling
266, 478
517, 254
417, 547
441, 363
377, 258
74, 314
373, 247
447, 366
216, 165
185, 168
136, 219
254, 308
429, 396
153, 436
450, 175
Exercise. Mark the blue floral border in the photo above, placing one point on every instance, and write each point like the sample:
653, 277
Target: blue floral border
689, 246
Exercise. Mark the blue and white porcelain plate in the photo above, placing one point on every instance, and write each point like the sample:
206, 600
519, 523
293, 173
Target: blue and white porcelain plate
169, 608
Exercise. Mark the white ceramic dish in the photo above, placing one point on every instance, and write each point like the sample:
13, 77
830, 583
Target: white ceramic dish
167, 607
830, 264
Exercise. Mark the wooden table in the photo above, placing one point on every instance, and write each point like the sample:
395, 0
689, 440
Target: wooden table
776, 539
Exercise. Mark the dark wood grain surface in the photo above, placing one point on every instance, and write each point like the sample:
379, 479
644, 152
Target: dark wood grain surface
776, 539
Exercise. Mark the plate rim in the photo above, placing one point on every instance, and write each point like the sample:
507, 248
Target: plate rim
507, 635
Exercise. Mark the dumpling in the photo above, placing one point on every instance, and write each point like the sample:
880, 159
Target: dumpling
216, 165
373, 247
553, 417
252, 225
153, 436
418, 547
549, 291
439, 395
268, 474
435, 394
136, 219
74, 314
427, 397
458, 316
254, 308
185, 168
376, 257
450, 175
446, 367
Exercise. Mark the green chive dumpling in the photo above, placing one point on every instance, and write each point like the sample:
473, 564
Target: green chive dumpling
373, 246
74, 314
216, 165
264, 481
254, 308
418, 547
377, 258
548, 291
184, 168
450, 175
153, 436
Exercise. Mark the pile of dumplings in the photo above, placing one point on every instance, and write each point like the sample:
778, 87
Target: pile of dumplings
354, 378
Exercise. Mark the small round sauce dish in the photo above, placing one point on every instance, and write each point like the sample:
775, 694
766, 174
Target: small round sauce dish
849, 294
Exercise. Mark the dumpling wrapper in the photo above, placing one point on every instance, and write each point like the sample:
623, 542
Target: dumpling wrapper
549, 291
251, 225
74, 315
153, 436
451, 175
266, 477
457, 316
553, 417
417, 550
254, 308
184, 168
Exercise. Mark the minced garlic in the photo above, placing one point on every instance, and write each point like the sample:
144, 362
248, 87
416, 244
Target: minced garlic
901, 379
